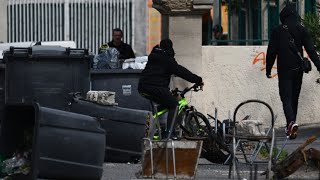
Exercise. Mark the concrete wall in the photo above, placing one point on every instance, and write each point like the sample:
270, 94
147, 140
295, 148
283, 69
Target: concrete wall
140, 27
187, 45
3, 20
153, 27
234, 74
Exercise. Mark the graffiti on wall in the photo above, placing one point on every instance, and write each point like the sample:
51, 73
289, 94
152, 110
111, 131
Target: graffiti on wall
259, 59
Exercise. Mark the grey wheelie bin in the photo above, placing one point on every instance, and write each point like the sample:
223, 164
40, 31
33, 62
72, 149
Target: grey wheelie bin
46, 74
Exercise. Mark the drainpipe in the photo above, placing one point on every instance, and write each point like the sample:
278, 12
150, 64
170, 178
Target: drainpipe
229, 19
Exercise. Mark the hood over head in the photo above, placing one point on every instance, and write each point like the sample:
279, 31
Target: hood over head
289, 15
166, 44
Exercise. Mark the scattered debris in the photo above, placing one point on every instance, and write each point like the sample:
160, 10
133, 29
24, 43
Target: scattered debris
20, 162
296, 159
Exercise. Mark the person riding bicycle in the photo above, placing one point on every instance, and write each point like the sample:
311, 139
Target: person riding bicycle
155, 78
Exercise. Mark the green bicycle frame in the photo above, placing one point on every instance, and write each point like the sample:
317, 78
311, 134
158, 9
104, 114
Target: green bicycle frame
182, 104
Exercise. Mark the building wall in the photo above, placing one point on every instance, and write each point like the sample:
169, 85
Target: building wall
3, 20
140, 27
234, 74
187, 45
154, 27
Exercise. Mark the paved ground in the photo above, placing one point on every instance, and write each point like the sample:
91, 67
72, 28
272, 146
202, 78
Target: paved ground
207, 170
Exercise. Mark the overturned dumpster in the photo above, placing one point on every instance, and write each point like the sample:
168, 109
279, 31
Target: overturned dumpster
125, 128
56, 144
63, 145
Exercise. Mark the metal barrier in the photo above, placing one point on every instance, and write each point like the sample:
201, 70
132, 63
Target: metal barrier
251, 28
88, 23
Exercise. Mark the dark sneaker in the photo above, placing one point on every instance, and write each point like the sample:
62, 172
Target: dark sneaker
294, 129
291, 130
174, 136
163, 132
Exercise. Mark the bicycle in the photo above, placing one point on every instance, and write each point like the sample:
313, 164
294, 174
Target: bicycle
193, 126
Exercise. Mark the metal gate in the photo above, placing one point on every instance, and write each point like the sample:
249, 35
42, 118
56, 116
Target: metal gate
87, 22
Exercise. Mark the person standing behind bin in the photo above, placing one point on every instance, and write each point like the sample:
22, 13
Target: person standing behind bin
288, 64
124, 49
155, 78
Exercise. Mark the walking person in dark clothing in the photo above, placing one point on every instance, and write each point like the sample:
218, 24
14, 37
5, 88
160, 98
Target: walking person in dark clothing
124, 49
155, 78
289, 68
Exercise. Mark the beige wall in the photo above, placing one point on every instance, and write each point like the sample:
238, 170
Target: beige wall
154, 27
3, 20
236, 73
187, 46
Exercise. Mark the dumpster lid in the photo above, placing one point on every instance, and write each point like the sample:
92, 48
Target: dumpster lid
115, 71
46, 52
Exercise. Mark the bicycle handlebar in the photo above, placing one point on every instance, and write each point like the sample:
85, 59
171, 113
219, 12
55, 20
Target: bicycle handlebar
195, 88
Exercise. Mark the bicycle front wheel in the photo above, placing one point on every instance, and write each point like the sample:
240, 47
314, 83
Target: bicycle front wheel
197, 126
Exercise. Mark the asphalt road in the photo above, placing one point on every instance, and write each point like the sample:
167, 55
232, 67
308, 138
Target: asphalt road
208, 170
205, 170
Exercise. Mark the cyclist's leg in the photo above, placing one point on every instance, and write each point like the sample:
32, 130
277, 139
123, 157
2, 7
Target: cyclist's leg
163, 97
169, 101
149, 93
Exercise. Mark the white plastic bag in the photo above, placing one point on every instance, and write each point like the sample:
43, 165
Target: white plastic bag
251, 128
137, 63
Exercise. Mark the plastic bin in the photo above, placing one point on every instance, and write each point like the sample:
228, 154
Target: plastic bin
65, 145
125, 129
124, 82
46, 74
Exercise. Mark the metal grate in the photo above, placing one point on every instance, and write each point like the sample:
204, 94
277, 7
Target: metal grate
87, 22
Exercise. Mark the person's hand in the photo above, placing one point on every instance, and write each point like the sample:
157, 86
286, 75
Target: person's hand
201, 86
268, 75
318, 80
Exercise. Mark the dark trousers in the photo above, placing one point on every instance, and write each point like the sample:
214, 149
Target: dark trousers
289, 89
163, 97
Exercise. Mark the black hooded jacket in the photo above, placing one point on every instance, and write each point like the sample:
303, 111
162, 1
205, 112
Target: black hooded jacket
279, 43
161, 65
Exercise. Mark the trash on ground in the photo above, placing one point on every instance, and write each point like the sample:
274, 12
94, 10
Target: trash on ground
20, 162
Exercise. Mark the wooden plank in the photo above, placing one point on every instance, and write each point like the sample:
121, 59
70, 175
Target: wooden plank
294, 161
